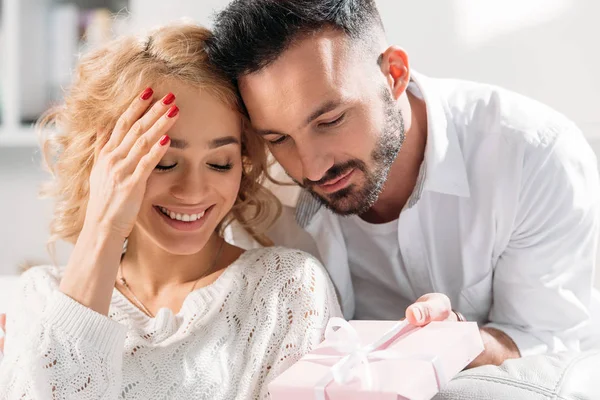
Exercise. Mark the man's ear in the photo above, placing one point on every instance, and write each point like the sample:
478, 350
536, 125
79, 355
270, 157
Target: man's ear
395, 67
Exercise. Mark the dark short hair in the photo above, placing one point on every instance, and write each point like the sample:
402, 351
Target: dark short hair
251, 34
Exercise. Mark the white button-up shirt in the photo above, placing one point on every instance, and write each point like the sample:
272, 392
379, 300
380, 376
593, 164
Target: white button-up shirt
506, 224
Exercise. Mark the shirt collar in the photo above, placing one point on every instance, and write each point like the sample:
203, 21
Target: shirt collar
445, 170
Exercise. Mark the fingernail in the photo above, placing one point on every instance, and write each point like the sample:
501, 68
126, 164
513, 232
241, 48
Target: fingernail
173, 111
146, 94
418, 314
164, 140
168, 99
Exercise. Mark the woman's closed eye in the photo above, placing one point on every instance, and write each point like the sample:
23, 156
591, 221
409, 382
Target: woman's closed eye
221, 167
165, 167
214, 166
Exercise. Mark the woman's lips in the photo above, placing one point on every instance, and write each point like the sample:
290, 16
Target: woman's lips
185, 226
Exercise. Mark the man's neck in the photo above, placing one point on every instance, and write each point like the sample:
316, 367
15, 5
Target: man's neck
404, 172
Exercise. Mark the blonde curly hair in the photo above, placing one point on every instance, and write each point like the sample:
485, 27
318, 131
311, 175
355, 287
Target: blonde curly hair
72, 133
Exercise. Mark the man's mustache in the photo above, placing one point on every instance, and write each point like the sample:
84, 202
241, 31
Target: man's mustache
334, 172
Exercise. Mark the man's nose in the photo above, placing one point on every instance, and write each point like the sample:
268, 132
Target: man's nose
315, 162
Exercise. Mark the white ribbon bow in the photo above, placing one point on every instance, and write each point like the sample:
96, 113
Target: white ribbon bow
342, 337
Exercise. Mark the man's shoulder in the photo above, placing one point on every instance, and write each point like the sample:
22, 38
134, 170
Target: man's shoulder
487, 103
484, 112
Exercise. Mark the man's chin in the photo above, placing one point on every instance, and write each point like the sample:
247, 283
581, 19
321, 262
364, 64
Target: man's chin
344, 202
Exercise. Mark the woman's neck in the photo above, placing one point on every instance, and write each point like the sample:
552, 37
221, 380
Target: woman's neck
152, 270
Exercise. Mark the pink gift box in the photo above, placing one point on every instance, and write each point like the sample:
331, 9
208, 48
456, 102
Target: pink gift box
409, 363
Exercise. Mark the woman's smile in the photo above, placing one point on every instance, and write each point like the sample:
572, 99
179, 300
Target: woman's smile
184, 221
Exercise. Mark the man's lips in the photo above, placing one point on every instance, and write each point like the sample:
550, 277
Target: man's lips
338, 183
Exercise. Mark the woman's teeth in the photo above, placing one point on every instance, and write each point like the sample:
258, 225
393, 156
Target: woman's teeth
182, 217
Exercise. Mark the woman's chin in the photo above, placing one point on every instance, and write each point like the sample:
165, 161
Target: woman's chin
179, 245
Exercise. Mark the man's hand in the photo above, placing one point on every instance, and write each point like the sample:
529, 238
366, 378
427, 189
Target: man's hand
498, 346
3, 327
430, 307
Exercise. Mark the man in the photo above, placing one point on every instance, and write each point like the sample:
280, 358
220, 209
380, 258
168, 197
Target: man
454, 186
424, 198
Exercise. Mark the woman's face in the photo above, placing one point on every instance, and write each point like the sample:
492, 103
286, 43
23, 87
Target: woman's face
196, 183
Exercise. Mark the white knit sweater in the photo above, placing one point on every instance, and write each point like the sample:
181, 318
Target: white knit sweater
228, 341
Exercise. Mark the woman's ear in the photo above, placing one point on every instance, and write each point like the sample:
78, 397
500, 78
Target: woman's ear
395, 67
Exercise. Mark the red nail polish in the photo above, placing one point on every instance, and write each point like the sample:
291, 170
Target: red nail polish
168, 99
164, 140
173, 111
146, 94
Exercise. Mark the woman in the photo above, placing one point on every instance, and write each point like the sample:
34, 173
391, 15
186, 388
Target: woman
153, 303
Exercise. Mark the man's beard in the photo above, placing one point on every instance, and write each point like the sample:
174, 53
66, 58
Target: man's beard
358, 200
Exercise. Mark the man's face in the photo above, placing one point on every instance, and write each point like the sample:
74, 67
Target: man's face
329, 119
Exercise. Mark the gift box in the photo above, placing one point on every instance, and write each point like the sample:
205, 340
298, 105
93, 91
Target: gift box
383, 360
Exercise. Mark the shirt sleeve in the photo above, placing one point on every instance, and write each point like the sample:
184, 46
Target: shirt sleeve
307, 302
543, 280
56, 348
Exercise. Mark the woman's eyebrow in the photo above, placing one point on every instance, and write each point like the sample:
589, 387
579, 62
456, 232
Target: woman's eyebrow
213, 144
223, 141
179, 144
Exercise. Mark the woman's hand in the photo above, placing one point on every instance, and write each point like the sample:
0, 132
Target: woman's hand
120, 173
117, 187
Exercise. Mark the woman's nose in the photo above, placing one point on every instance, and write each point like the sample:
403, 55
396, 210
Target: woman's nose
190, 188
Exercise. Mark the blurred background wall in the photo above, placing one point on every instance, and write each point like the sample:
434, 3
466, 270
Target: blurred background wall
546, 49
